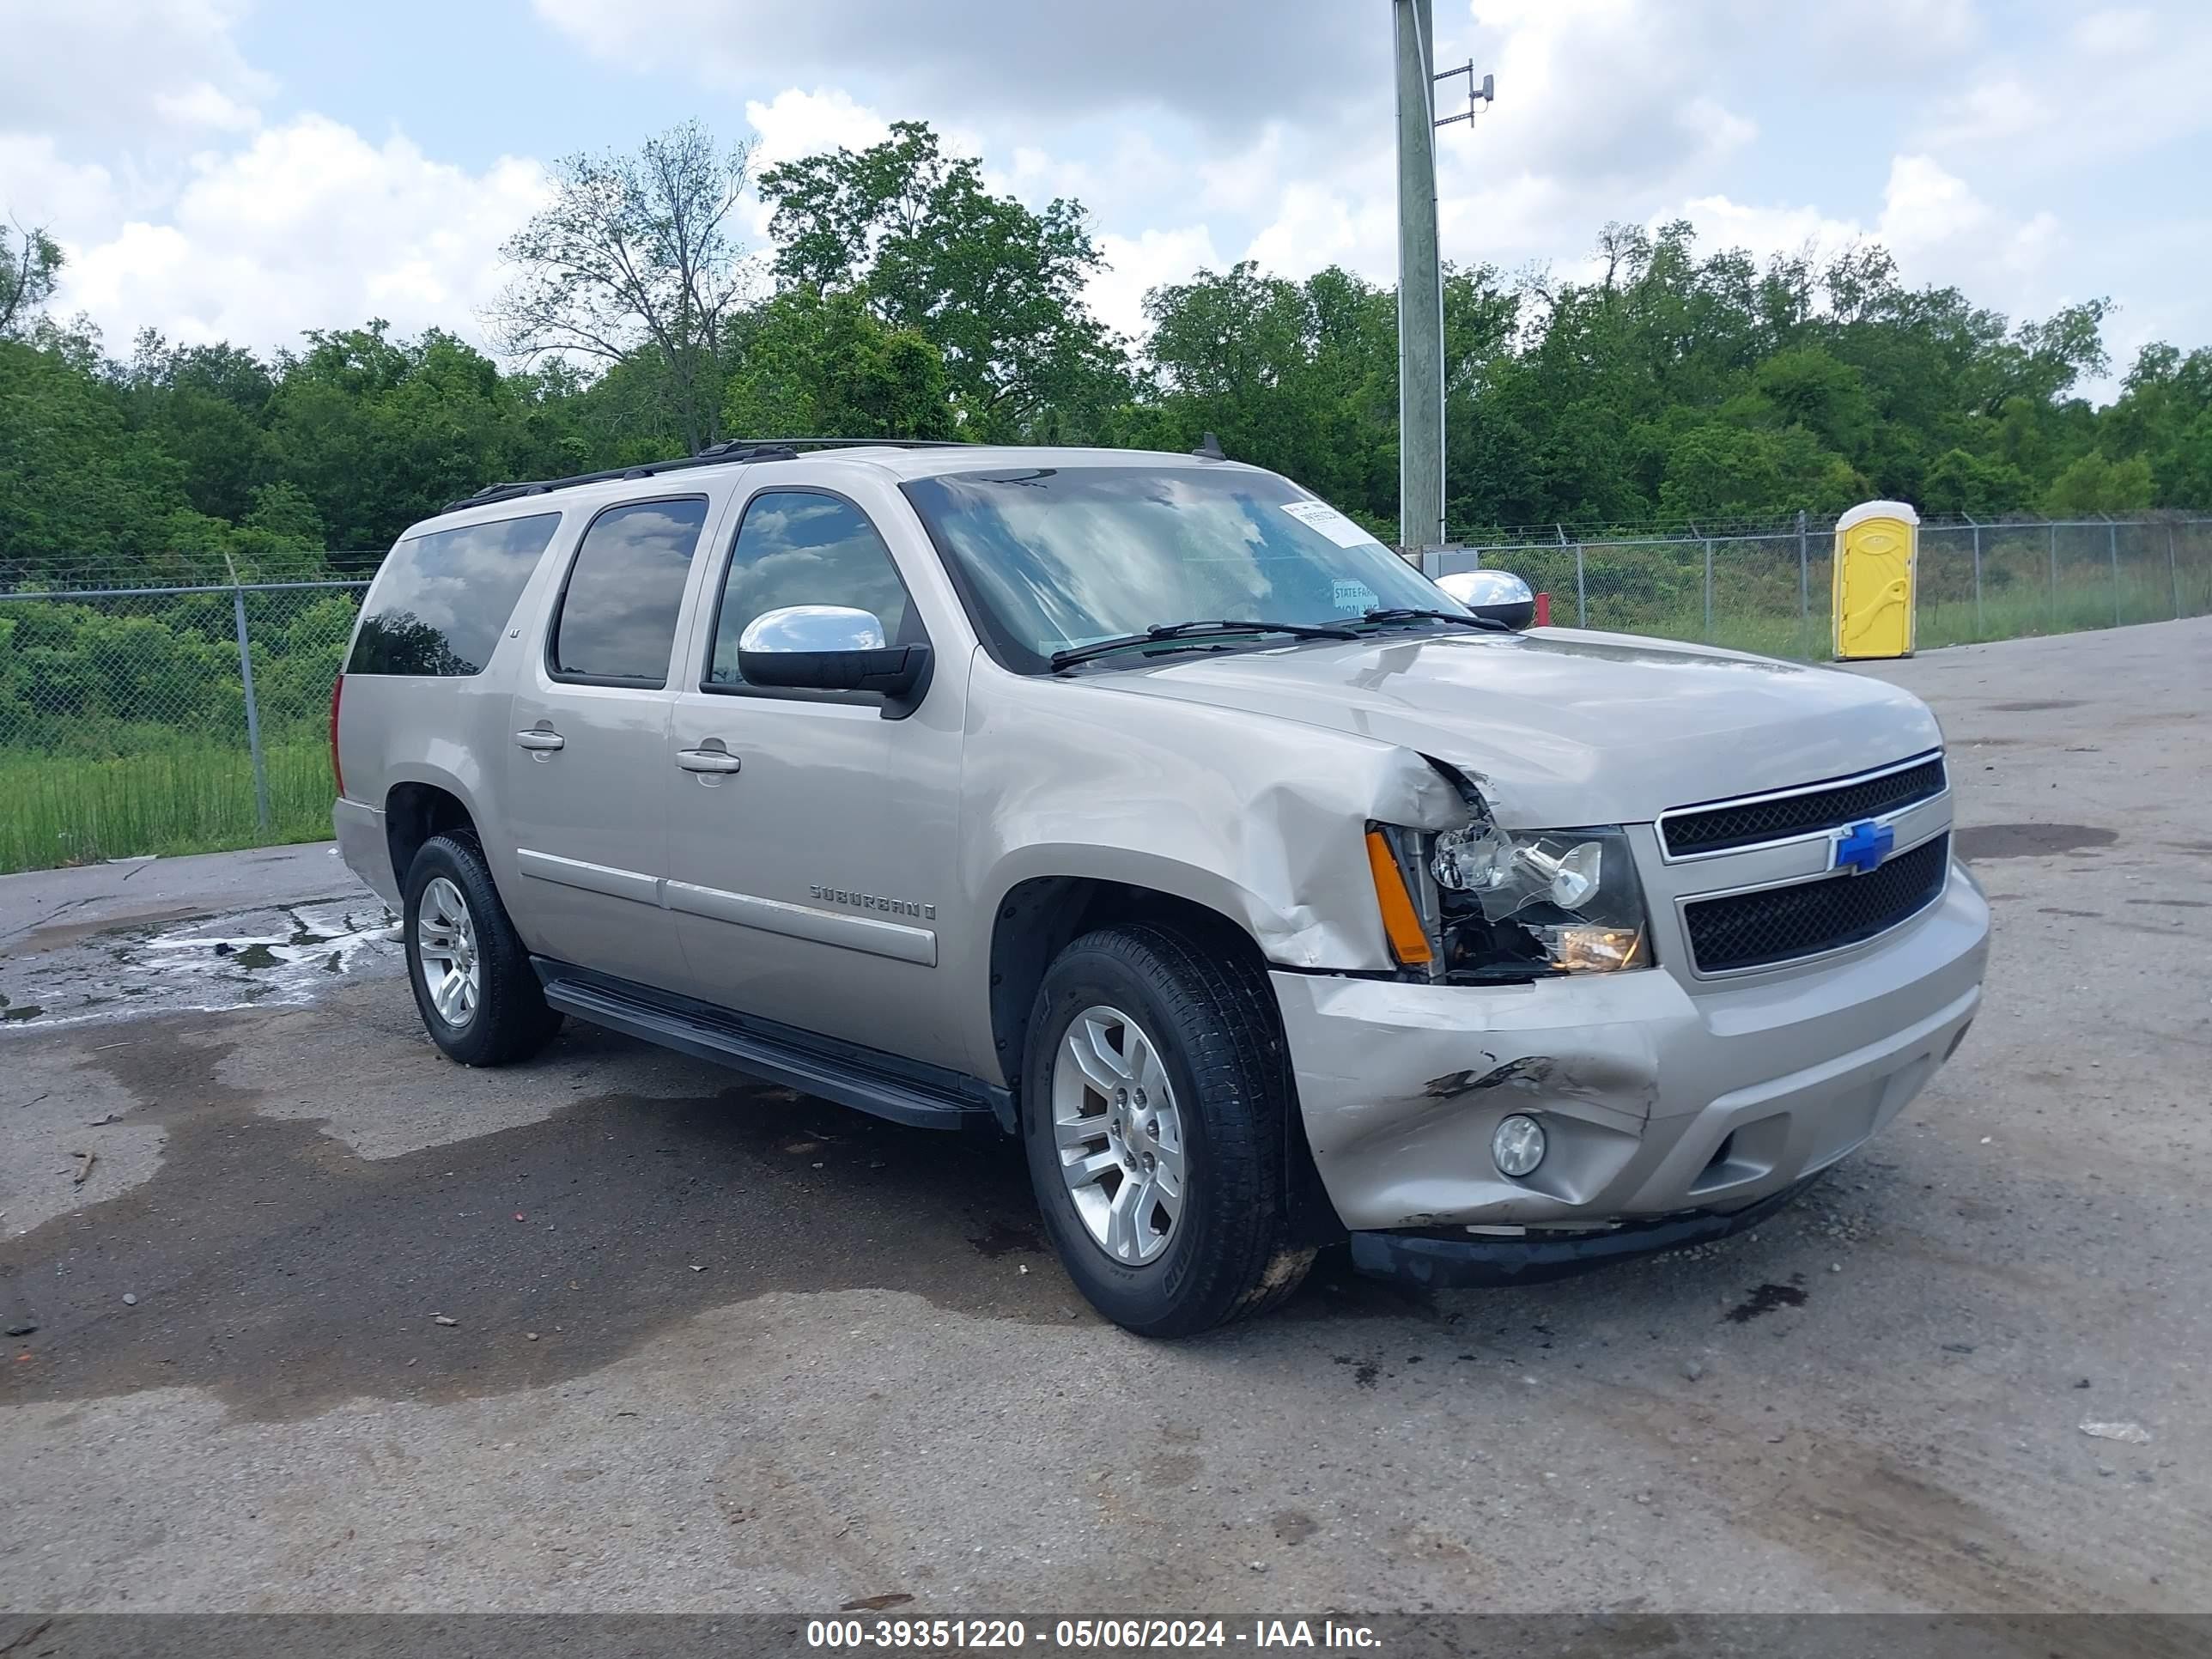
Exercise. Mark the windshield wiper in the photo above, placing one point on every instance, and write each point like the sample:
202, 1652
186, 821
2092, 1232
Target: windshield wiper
1409, 613
1161, 633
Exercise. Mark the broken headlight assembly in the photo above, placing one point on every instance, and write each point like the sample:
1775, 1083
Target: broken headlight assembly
1499, 906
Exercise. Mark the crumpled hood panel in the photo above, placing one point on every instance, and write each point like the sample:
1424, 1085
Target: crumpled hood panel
1565, 726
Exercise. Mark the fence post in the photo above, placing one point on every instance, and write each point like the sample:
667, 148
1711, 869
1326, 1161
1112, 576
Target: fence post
1804, 577
1978, 572
2112, 547
2172, 571
253, 712
1708, 590
2054, 574
1582, 591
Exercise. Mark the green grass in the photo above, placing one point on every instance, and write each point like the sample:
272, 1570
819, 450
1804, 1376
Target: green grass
1936, 623
184, 797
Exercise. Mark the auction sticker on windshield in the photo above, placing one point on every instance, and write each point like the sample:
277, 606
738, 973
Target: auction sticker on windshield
1319, 515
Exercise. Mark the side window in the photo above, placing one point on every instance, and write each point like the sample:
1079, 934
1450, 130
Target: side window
617, 618
798, 548
441, 601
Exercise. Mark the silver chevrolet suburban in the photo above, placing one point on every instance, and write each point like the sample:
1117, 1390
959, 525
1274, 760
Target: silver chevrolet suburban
1145, 807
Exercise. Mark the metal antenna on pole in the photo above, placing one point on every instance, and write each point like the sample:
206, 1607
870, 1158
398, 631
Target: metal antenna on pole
1420, 274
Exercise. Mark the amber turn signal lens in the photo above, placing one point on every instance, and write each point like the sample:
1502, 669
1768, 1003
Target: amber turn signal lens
1401, 922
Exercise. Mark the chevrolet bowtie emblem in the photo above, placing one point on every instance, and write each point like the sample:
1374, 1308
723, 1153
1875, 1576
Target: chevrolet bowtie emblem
1862, 848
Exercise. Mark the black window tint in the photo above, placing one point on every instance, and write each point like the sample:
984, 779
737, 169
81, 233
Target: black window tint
797, 548
442, 599
618, 615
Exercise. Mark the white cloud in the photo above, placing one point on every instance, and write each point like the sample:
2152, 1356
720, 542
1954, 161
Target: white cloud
794, 123
39, 187
2120, 83
2119, 33
310, 226
142, 71
204, 105
1317, 225
1223, 64
1141, 264
1932, 220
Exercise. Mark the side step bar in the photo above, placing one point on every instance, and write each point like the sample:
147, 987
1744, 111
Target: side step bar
701, 1035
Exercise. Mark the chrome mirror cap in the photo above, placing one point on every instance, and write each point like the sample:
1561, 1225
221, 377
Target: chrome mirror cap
1481, 587
1500, 595
813, 628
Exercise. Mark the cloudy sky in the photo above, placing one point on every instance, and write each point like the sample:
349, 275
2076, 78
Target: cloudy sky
227, 169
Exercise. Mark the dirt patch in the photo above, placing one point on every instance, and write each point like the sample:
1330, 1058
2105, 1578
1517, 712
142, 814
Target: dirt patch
1765, 1300
1294, 1526
1984, 841
1003, 1238
2038, 705
52, 936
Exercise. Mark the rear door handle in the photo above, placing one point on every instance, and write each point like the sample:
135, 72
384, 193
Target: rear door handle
538, 737
708, 760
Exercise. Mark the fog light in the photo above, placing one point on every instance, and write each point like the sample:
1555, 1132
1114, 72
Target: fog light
1517, 1145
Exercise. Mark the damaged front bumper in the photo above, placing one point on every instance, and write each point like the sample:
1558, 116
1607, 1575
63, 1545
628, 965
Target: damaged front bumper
1657, 1101
1444, 1260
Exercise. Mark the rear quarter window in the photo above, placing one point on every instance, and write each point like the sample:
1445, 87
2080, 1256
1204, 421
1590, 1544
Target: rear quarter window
442, 599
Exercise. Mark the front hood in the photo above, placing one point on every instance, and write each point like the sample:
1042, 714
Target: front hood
1568, 728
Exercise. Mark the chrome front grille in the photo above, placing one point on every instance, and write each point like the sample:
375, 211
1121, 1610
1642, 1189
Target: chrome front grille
1811, 809
1768, 926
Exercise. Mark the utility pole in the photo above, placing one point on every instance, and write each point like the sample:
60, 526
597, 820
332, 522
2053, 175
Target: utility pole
1420, 276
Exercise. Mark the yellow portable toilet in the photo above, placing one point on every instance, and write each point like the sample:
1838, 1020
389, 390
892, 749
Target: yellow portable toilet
1877, 547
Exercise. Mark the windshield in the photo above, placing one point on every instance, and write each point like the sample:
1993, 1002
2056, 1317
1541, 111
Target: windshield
1055, 558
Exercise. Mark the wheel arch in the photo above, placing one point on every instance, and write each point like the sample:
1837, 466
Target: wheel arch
417, 808
1039, 916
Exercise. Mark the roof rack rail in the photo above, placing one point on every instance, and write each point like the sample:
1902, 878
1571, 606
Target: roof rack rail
728, 451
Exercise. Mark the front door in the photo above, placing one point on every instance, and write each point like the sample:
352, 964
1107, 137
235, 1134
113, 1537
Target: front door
587, 797
807, 868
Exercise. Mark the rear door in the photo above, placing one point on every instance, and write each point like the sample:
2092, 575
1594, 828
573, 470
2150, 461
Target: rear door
587, 797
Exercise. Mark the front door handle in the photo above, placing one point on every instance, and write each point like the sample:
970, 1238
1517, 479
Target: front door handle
708, 760
539, 737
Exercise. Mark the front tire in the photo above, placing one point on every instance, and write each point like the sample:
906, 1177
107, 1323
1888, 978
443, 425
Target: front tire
1154, 1090
471, 976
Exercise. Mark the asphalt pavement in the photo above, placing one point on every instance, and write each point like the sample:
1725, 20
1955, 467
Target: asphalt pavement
303, 1317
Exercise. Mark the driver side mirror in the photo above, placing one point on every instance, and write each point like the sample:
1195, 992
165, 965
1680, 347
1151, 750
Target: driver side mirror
1498, 594
832, 647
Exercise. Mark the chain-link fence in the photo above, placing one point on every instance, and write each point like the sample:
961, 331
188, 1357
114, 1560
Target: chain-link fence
142, 720
173, 720
1770, 589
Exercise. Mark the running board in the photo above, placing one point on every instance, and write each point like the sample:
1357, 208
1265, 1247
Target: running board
702, 1034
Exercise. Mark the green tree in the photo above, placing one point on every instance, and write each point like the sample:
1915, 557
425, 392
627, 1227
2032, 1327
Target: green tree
80, 496
30, 269
635, 256
997, 288
817, 364
1962, 483
2091, 485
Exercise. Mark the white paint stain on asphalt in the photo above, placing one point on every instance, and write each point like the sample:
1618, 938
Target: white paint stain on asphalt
282, 956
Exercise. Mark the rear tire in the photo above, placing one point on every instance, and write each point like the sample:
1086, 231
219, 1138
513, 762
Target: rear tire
1154, 1088
473, 984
